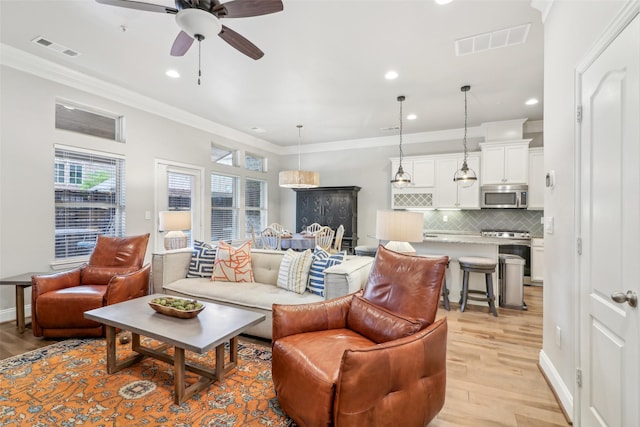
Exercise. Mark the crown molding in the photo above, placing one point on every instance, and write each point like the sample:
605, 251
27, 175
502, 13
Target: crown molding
32, 64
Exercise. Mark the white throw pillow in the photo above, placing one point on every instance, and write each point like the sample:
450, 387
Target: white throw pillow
294, 270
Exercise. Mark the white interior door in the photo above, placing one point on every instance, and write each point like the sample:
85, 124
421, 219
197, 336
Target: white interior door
180, 187
610, 231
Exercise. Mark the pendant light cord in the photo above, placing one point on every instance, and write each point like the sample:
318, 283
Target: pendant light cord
401, 99
299, 138
465, 89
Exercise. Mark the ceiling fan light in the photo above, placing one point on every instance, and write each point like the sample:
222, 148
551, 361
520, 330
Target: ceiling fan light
196, 21
299, 179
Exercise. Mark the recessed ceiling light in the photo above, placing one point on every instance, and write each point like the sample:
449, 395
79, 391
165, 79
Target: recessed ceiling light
531, 101
173, 74
412, 117
443, 1
391, 75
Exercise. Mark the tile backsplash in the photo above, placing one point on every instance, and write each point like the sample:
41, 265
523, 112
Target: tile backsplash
477, 220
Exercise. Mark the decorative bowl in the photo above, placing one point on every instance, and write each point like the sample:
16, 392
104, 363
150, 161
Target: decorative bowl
173, 311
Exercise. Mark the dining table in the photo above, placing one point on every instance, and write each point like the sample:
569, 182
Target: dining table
298, 242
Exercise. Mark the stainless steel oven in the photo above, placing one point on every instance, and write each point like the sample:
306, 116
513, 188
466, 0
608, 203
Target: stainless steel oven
516, 242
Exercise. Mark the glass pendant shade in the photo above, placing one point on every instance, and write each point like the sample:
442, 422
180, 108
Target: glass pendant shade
465, 177
298, 178
401, 179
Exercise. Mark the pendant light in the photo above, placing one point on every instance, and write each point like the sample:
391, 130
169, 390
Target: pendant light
401, 178
465, 177
299, 178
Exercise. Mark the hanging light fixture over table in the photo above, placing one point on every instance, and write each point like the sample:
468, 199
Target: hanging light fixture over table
299, 178
464, 176
401, 179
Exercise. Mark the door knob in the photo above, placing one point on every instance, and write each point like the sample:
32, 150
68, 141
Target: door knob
630, 297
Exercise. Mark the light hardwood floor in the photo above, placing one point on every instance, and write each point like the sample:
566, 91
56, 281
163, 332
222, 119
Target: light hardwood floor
492, 373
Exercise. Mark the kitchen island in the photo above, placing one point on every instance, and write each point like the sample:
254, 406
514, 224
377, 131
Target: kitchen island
459, 245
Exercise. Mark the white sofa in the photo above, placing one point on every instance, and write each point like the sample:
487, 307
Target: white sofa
169, 276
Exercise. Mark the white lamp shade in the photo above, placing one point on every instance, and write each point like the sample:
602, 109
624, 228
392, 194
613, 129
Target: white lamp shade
401, 226
299, 179
175, 220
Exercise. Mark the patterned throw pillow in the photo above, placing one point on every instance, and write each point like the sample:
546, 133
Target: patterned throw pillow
321, 261
294, 270
202, 259
233, 264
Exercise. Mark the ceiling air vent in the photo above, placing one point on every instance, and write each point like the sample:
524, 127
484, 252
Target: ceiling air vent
492, 40
55, 46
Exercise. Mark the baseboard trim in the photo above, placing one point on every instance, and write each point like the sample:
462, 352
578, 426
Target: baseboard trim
9, 314
558, 387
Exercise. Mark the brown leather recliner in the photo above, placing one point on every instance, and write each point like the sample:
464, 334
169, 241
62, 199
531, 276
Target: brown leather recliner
374, 358
114, 274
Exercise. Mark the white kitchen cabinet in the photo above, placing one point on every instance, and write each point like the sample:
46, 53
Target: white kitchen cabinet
450, 195
536, 179
537, 260
504, 162
421, 169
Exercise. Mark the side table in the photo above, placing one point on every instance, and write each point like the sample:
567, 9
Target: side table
21, 282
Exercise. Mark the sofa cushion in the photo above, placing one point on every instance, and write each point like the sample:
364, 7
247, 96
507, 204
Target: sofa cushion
321, 261
377, 323
202, 259
247, 294
233, 264
294, 270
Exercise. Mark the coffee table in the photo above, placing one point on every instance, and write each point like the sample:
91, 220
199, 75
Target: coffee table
214, 326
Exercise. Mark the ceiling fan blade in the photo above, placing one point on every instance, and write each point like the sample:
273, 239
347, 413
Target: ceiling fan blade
246, 8
149, 7
181, 44
239, 42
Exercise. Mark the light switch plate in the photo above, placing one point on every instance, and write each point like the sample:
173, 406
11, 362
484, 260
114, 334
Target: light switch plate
548, 224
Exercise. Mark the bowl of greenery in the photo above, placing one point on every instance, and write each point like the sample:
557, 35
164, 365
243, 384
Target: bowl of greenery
177, 307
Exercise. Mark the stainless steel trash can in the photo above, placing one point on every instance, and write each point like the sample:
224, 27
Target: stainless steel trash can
511, 279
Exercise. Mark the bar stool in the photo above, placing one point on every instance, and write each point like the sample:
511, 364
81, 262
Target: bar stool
486, 266
445, 290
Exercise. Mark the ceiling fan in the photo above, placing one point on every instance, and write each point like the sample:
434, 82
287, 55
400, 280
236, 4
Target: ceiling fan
199, 19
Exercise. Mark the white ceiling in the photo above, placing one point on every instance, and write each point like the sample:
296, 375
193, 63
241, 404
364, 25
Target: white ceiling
323, 67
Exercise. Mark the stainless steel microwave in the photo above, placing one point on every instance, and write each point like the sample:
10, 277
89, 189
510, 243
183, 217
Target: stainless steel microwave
512, 196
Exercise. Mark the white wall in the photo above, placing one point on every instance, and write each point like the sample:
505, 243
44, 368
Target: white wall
28, 136
570, 29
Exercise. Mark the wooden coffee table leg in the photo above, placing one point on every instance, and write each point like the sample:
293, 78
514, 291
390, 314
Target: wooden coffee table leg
111, 349
178, 376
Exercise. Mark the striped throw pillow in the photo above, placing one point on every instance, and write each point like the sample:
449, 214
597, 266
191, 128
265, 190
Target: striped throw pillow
321, 261
294, 271
202, 258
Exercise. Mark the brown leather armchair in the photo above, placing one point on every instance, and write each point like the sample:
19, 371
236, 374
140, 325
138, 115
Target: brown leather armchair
114, 274
374, 358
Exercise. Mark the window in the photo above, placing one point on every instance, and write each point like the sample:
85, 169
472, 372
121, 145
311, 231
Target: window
255, 163
90, 201
76, 118
224, 208
180, 190
59, 173
223, 155
255, 205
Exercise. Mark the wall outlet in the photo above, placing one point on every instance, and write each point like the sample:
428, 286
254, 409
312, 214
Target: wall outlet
445, 218
558, 337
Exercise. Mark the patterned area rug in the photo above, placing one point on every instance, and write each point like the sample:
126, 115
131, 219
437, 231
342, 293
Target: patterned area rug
66, 384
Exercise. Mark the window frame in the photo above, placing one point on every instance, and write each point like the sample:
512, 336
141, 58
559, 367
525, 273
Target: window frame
234, 208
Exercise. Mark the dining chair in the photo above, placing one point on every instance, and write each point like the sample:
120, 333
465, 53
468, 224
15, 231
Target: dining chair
324, 238
257, 243
313, 228
277, 227
270, 239
337, 245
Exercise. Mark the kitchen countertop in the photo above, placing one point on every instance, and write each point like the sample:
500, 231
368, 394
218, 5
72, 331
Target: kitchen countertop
476, 238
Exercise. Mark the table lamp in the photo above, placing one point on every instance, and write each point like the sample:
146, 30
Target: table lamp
175, 222
400, 228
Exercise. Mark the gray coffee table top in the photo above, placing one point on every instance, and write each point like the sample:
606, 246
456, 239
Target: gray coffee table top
213, 326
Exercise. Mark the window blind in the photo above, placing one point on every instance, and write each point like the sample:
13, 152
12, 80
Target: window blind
89, 200
255, 197
180, 194
224, 208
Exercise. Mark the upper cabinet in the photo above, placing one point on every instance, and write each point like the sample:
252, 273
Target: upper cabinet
421, 169
449, 195
536, 179
504, 162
